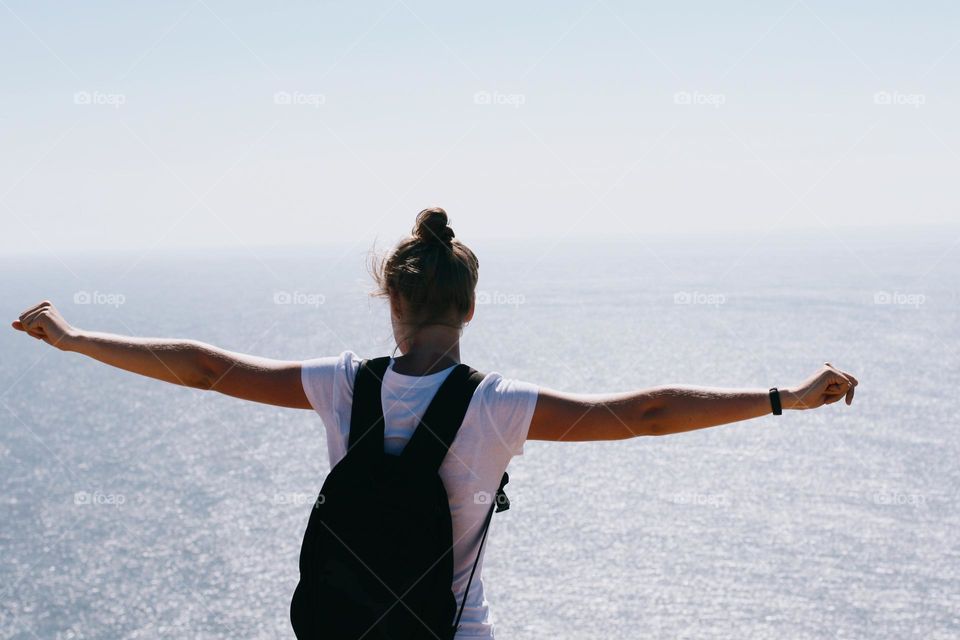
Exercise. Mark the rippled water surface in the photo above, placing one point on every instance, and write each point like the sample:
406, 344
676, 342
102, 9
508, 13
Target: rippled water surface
131, 508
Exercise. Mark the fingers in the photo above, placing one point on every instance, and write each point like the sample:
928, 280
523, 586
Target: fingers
851, 385
850, 382
45, 303
850, 395
36, 333
29, 320
839, 386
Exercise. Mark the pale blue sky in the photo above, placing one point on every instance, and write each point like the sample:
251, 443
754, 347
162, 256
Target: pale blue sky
158, 124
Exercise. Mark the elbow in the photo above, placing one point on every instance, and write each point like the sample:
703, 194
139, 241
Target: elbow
631, 418
653, 421
202, 380
203, 374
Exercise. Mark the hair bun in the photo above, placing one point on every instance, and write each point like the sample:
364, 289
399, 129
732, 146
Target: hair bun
431, 226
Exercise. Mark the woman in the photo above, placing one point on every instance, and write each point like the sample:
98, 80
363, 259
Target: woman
430, 280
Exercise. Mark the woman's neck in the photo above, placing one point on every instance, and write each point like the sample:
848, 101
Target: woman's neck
430, 349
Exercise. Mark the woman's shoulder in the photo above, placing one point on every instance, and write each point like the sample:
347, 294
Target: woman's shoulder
513, 395
496, 384
506, 404
326, 370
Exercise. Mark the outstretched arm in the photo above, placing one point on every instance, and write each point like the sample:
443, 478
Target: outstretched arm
188, 363
674, 409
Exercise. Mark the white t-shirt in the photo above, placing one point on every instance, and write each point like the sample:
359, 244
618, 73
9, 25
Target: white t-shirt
493, 431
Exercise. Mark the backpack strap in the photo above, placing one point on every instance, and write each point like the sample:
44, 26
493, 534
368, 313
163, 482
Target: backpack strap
366, 412
502, 503
439, 425
432, 439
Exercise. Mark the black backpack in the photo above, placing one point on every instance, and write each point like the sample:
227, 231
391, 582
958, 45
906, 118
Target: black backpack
377, 556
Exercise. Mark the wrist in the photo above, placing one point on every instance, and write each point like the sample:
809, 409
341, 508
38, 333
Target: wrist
72, 339
789, 398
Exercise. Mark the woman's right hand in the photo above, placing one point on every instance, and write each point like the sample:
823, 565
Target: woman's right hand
825, 386
44, 322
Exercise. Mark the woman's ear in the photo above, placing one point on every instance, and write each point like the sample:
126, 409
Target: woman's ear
469, 316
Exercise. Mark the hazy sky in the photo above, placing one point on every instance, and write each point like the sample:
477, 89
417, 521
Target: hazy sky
212, 122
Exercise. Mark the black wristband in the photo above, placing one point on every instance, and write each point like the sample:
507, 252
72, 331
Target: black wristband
775, 401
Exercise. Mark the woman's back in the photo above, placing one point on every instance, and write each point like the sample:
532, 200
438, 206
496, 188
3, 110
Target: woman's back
493, 431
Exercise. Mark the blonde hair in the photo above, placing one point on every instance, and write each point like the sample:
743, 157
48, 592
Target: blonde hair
431, 271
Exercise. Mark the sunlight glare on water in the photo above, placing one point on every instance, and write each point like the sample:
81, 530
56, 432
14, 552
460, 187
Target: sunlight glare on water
137, 509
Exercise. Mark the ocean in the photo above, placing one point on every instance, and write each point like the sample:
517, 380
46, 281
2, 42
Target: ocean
132, 508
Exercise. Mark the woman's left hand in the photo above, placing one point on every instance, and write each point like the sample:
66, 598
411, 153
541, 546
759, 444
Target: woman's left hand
826, 386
